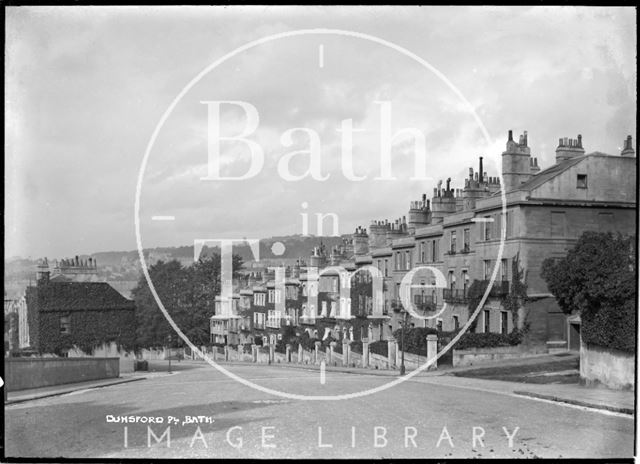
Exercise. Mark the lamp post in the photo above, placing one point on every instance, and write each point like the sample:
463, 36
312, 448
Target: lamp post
404, 323
169, 351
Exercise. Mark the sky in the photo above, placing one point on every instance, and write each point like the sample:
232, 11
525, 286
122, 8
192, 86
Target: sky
87, 87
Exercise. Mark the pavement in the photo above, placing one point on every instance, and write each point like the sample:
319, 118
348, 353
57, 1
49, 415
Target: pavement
56, 390
430, 416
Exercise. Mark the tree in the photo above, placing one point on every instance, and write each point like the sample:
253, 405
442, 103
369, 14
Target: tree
187, 293
597, 278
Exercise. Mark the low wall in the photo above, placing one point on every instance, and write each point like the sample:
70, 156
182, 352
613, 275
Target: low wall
378, 361
613, 368
473, 356
411, 361
108, 350
24, 373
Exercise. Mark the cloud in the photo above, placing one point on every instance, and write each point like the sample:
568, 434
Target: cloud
86, 87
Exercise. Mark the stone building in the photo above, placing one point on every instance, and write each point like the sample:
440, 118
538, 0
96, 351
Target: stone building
459, 232
65, 315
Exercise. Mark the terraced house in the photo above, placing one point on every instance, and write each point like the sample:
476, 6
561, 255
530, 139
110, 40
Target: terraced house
458, 232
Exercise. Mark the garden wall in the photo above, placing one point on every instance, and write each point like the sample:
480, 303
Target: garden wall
613, 368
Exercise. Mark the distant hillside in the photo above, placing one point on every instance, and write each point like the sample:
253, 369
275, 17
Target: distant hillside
123, 267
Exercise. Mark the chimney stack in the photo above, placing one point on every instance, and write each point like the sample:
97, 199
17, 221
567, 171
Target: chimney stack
628, 151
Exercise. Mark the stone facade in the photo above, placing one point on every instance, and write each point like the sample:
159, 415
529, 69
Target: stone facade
459, 232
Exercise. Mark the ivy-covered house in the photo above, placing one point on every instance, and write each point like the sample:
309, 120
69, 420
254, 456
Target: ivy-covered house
65, 314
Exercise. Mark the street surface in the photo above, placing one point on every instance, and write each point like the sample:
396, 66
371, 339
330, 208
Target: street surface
424, 417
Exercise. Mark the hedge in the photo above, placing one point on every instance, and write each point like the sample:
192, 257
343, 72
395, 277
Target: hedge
488, 340
356, 347
379, 347
611, 327
415, 339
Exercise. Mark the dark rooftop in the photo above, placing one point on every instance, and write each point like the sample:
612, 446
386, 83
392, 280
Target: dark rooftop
78, 296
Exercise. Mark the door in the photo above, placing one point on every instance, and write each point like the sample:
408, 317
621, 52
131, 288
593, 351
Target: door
574, 337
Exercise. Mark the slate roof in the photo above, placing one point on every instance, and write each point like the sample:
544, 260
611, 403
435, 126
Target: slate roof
79, 296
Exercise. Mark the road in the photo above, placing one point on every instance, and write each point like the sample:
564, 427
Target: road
424, 417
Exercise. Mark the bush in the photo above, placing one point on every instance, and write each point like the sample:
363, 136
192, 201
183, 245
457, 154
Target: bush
415, 339
611, 327
598, 278
307, 342
379, 347
488, 340
356, 347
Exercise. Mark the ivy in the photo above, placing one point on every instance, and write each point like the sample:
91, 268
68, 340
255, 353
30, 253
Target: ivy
88, 330
476, 291
518, 291
512, 301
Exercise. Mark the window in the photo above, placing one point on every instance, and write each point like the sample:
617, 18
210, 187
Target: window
465, 239
487, 321
486, 269
272, 296
258, 320
453, 241
456, 322
452, 280
65, 325
504, 322
386, 268
439, 325
504, 270
558, 224
509, 224
422, 252
582, 181
465, 281
487, 228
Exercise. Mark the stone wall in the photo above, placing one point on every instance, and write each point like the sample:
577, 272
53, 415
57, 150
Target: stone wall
474, 356
108, 350
613, 368
25, 373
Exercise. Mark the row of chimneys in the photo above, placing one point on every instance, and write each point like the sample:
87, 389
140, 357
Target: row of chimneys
419, 205
570, 143
523, 138
77, 262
